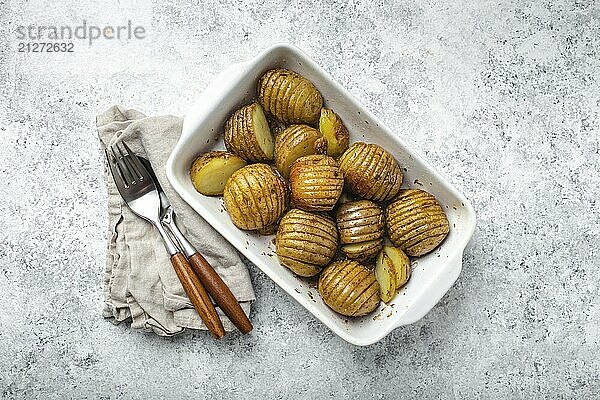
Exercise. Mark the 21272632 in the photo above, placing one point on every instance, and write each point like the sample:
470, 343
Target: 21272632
45, 47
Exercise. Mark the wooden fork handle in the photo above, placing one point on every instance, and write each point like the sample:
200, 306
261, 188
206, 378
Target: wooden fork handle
220, 292
197, 294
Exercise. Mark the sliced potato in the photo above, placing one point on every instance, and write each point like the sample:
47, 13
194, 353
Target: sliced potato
248, 135
316, 183
294, 142
332, 129
210, 171
306, 242
349, 288
416, 223
363, 250
360, 221
400, 261
255, 196
290, 97
371, 172
386, 276
361, 227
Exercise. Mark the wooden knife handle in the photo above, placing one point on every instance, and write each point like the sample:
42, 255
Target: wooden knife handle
220, 293
197, 294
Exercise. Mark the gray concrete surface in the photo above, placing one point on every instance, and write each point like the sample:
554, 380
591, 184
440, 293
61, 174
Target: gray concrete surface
502, 97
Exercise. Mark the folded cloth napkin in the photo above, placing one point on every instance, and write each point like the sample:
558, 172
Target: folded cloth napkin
139, 281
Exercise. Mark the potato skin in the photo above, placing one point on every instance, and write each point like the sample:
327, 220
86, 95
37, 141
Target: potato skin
316, 183
240, 137
255, 197
290, 97
360, 222
306, 242
371, 172
416, 222
349, 288
332, 128
294, 142
203, 160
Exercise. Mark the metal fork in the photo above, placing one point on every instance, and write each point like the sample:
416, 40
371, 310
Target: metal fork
139, 192
214, 285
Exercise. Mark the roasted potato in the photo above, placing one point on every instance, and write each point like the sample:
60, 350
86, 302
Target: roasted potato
400, 261
332, 129
305, 242
392, 271
371, 172
316, 183
248, 135
386, 277
416, 223
349, 288
255, 197
290, 97
361, 228
210, 171
294, 142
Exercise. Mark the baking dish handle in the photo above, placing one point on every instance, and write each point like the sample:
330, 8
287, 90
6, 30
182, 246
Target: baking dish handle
199, 109
441, 284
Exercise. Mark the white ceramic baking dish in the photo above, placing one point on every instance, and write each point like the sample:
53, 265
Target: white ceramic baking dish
432, 275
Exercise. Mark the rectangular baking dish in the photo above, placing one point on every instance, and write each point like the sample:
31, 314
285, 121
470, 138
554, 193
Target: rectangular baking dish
432, 274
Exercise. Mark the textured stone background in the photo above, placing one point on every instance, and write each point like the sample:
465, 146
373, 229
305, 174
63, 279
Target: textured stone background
502, 97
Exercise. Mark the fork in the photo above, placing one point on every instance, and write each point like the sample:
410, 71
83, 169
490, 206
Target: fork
139, 192
214, 285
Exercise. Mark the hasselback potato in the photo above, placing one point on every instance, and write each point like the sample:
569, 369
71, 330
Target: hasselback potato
290, 97
316, 183
248, 135
294, 142
210, 171
255, 197
371, 172
332, 128
349, 288
305, 242
416, 222
361, 228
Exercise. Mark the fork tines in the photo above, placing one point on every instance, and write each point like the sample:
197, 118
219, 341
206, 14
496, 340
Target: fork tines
125, 165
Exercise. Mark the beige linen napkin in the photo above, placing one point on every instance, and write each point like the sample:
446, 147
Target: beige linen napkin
139, 281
